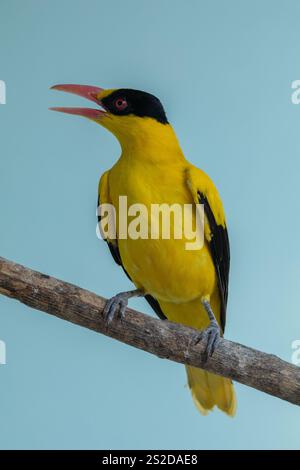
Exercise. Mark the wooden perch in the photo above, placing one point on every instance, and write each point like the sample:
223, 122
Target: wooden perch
165, 339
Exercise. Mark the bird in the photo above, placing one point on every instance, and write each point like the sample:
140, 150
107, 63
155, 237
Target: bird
184, 286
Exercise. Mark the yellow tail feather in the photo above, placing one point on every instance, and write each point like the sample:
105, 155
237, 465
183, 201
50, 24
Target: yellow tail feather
209, 390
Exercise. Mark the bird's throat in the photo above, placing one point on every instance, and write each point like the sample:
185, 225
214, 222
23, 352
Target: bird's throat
146, 139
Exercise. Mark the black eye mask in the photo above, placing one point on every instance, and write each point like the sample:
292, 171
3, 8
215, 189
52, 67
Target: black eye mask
138, 103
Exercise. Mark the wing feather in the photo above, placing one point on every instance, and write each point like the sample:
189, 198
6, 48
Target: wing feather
204, 192
220, 251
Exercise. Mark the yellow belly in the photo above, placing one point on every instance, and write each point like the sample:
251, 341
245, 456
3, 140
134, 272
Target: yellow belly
166, 270
163, 268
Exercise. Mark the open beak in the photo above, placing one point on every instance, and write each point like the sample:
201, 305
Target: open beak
91, 93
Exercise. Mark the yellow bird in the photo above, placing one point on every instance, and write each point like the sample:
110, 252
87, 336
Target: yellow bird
184, 286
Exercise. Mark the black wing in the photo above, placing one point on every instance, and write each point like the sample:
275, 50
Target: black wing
220, 251
113, 248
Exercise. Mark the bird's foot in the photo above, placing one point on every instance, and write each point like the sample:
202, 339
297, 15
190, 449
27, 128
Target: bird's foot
212, 334
118, 303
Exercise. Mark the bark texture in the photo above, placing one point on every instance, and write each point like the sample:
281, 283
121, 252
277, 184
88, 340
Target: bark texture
165, 339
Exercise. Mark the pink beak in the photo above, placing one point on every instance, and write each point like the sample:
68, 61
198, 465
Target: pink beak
89, 92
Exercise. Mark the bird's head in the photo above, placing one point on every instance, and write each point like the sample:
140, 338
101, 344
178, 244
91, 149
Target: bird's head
131, 115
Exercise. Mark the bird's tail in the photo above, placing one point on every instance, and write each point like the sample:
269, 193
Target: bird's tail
209, 390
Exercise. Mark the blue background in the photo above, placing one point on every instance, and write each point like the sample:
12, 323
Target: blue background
223, 71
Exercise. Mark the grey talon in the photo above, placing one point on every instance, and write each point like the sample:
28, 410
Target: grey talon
212, 333
119, 303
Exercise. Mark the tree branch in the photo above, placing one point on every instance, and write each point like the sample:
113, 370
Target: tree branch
165, 339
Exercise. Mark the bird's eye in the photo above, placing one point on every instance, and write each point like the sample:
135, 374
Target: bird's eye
120, 104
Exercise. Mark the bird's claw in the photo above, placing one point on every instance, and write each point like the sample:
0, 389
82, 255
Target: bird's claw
118, 303
211, 335
213, 338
